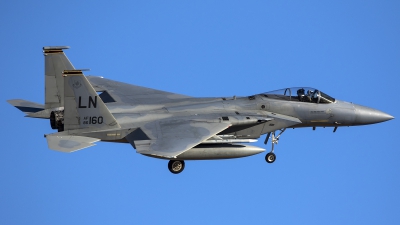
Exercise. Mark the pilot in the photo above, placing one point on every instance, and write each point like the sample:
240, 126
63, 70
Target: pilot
315, 96
308, 96
301, 94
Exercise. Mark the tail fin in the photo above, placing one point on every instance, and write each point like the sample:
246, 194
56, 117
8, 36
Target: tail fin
83, 108
54, 65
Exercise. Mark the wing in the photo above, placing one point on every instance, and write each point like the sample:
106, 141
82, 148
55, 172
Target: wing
172, 137
127, 93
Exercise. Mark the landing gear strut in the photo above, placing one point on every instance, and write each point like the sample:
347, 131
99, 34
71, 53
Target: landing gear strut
270, 157
176, 166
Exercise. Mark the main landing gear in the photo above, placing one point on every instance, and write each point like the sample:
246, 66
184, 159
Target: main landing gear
176, 166
270, 157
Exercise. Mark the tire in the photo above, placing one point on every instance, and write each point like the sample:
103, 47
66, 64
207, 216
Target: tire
270, 157
176, 166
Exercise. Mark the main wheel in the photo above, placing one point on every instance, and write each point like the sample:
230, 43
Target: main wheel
176, 166
270, 157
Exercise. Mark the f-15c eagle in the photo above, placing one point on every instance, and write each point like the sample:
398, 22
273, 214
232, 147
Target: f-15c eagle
88, 109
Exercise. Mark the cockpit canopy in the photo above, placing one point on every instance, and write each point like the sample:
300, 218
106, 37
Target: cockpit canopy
302, 94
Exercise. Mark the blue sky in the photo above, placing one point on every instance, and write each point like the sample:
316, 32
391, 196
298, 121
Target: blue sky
348, 49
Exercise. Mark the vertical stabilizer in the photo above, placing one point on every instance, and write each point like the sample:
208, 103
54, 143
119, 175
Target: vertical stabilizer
83, 108
55, 62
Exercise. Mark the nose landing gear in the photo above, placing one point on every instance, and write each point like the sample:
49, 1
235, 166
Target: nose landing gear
271, 157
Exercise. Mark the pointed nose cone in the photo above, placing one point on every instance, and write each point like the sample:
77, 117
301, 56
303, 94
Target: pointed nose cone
366, 115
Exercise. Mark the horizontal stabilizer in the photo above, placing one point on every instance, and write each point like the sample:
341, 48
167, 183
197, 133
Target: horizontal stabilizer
44, 114
69, 143
26, 106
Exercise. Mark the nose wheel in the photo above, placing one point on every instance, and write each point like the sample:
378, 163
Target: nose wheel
270, 157
176, 166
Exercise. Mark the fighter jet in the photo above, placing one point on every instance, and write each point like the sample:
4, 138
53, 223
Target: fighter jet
87, 109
